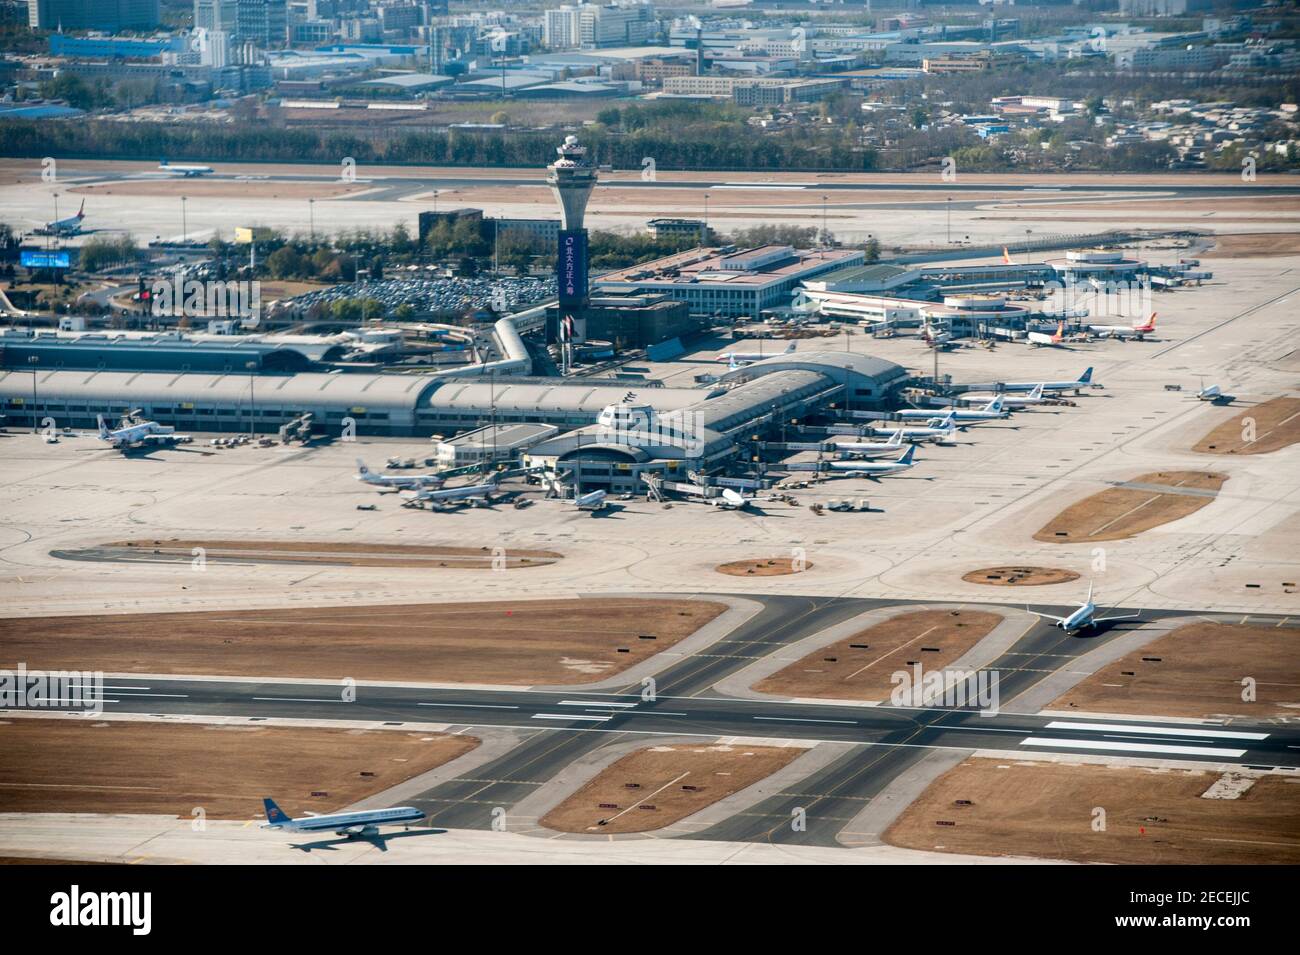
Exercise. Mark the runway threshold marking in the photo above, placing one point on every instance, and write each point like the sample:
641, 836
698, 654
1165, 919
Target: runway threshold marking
1132, 747
1152, 730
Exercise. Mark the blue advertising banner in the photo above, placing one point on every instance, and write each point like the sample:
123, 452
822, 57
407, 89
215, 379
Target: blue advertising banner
571, 267
29, 259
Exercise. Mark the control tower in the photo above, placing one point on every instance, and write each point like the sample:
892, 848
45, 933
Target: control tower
571, 178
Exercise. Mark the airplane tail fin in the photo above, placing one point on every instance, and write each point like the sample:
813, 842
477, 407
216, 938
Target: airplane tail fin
1090, 583
1037, 392
81, 213
788, 348
103, 428
274, 814
361, 467
896, 437
1087, 376
1006, 256
907, 455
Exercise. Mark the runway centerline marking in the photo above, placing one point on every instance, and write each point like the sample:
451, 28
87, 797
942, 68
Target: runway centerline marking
795, 719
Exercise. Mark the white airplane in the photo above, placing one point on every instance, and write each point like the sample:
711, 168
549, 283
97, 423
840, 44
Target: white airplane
139, 434
1035, 397
871, 449
184, 171
1083, 618
875, 469
748, 358
69, 226
1121, 332
364, 823
1081, 382
992, 411
729, 500
1041, 339
451, 495
1210, 393
594, 501
396, 481
944, 430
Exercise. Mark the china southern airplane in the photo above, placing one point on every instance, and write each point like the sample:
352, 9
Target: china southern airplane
875, 469
367, 476
139, 434
68, 226
748, 358
1083, 618
1082, 381
1043, 339
185, 171
1135, 330
365, 823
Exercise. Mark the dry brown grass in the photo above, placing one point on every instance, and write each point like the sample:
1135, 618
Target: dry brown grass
509, 641
1118, 513
1020, 576
1197, 671
671, 783
859, 667
1152, 817
65, 765
223, 189
347, 555
1254, 245
1276, 426
763, 567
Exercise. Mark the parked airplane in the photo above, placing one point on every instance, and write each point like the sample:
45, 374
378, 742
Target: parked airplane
595, 501
871, 449
1081, 382
185, 171
69, 226
451, 495
132, 434
1041, 339
944, 430
364, 823
396, 481
1134, 331
1035, 397
875, 469
992, 411
748, 358
1083, 618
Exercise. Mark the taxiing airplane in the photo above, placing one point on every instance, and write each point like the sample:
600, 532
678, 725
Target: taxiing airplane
396, 481
132, 434
748, 358
363, 823
437, 497
1083, 381
184, 171
1210, 393
1083, 618
874, 469
1042, 339
69, 226
1134, 331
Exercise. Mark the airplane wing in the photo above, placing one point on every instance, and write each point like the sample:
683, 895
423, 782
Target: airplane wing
1046, 616
1125, 616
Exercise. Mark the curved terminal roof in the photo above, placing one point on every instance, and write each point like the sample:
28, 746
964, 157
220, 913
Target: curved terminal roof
865, 371
574, 397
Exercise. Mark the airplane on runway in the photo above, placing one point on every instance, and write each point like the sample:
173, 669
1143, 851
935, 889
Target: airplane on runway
748, 358
1083, 618
875, 469
1210, 393
350, 824
396, 481
186, 172
1134, 331
1079, 383
132, 434
469, 493
944, 430
872, 449
594, 501
69, 226
992, 411
1041, 339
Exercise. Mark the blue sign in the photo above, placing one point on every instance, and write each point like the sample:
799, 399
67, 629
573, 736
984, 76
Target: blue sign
571, 267
44, 260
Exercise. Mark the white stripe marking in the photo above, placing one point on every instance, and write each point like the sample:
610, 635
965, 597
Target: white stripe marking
472, 706
1131, 747
792, 719
1152, 730
292, 699
568, 716
600, 703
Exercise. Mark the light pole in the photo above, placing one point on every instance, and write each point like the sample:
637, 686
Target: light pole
33, 361
311, 218
252, 398
184, 230
1028, 233
825, 231
949, 207
705, 239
